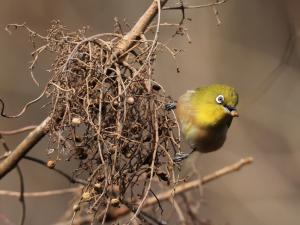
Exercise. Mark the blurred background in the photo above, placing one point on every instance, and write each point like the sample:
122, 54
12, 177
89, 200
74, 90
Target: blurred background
255, 49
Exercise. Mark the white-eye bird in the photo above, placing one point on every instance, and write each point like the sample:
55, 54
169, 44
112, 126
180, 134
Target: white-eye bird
205, 114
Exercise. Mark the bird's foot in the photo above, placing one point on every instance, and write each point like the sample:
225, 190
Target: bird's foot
169, 106
180, 156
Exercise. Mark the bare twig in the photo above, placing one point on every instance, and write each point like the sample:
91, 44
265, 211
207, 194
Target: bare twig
180, 7
21, 195
60, 172
41, 193
206, 179
179, 212
24, 108
17, 131
43, 163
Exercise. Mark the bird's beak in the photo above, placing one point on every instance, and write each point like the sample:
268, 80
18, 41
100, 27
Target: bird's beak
232, 111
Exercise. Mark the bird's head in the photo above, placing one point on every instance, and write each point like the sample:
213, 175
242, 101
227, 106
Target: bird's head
215, 104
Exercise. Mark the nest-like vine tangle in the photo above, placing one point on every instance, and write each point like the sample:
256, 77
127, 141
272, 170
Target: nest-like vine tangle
109, 113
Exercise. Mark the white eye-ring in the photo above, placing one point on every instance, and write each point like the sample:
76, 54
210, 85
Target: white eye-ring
220, 99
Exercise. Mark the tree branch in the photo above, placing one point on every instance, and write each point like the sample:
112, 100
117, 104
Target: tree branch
139, 28
163, 196
23, 148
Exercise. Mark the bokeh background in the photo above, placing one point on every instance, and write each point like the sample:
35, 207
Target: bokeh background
255, 49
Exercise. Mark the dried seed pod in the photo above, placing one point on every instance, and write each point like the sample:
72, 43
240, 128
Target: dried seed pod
76, 121
51, 164
130, 100
86, 196
115, 202
97, 187
116, 103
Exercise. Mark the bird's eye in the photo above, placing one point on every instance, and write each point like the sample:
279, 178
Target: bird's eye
220, 99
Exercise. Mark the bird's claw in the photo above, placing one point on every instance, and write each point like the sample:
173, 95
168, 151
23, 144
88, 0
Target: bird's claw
180, 156
169, 106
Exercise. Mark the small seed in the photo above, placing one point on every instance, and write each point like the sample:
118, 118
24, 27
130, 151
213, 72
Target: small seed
51, 164
115, 202
76, 121
97, 187
116, 103
86, 196
130, 100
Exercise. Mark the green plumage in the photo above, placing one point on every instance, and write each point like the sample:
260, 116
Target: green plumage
204, 118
